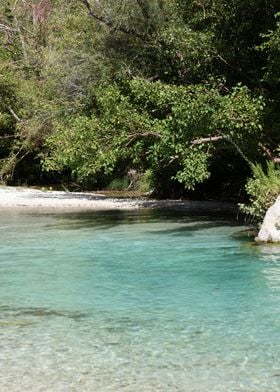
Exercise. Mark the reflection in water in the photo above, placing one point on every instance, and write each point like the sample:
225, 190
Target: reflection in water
270, 254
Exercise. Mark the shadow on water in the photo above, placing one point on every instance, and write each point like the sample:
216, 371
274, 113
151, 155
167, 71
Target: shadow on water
106, 219
247, 234
191, 228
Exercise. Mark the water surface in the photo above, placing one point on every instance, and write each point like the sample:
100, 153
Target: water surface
136, 301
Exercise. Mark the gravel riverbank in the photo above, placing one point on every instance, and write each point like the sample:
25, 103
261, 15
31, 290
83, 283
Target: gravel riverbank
27, 198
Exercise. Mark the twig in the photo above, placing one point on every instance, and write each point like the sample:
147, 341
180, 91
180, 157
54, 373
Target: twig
138, 136
7, 28
7, 136
268, 153
16, 117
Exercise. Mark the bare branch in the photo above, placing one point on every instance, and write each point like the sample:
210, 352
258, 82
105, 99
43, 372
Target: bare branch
138, 136
268, 153
7, 28
205, 140
173, 158
7, 137
16, 117
156, 135
21, 38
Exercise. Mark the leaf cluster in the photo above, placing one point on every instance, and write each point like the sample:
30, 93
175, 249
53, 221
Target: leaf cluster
263, 189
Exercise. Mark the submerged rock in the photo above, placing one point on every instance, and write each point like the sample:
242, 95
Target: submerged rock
270, 228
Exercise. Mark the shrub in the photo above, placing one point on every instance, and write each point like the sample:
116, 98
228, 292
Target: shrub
263, 189
118, 184
146, 181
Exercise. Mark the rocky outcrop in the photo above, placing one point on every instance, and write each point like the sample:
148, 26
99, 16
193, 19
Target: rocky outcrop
270, 228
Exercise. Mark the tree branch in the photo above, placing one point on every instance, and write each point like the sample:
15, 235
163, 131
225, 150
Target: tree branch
7, 28
156, 135
138, 136
145, 12
109, 23
16, 117
7, 136
143, 8
268, 153
205, 140
22, 40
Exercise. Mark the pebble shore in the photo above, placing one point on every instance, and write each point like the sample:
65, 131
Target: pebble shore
27, 198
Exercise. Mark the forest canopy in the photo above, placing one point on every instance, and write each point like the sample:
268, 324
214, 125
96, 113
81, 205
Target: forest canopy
181, 95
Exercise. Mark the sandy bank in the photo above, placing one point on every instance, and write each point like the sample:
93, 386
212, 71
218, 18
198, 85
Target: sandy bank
19, 197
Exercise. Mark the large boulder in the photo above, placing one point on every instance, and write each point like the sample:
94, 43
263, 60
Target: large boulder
270, 228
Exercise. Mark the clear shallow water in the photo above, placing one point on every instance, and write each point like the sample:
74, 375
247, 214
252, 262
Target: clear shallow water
141, 301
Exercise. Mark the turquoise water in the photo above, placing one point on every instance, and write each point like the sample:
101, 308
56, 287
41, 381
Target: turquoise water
136, 301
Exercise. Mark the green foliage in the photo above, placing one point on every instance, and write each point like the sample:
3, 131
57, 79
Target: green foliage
137, 85
9, 103
195, 169
151, 124
272, 47
118, 184
146, 181
186, 55
262, 189
75, 146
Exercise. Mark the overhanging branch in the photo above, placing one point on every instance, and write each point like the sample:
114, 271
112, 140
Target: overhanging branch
206, 140
156, 135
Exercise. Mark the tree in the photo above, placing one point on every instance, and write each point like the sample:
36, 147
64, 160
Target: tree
163, 86
150, 125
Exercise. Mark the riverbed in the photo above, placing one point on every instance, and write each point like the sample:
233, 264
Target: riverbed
130, 300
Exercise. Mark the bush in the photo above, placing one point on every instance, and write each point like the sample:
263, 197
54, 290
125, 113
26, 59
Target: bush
118, 184
263, 190
146, 181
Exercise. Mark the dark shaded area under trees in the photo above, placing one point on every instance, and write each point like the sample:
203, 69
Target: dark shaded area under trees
179, 97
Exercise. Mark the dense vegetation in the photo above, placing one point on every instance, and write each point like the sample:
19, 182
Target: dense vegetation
174, 96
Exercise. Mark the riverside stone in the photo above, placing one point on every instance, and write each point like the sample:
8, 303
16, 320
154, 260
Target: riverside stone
270, 228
